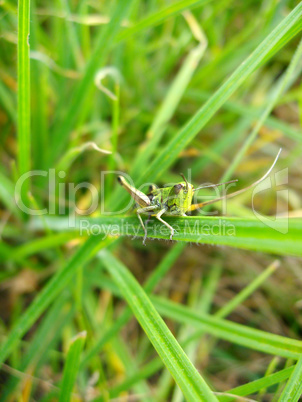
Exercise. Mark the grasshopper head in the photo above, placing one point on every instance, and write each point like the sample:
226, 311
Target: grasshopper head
180, 198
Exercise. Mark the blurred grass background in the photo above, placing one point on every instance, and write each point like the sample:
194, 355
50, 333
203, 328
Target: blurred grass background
142, 80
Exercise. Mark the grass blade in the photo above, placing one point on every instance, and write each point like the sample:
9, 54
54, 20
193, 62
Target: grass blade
237, 333
43, 243
257, 385
54, 284
23, 93
276, 93
245, 233
39, 100
72, 366
224, 329
160, 16
250, 113
293, 389
184, 373
149, 286
247, 291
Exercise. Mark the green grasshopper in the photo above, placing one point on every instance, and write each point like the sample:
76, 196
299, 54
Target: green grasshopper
175, 200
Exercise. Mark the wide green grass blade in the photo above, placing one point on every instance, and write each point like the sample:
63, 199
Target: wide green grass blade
293, 389
191, 383
204, 305
49, 293
245, 233
24, 138
71, 367
154, 365
125, 316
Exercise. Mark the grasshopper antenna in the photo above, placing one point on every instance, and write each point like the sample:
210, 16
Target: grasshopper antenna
215, 185
187, 185
202, 204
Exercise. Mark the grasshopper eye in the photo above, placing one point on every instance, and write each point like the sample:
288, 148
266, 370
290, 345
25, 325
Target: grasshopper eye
152, 187
177, 188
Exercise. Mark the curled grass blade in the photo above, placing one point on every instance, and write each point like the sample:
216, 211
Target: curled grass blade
98, 57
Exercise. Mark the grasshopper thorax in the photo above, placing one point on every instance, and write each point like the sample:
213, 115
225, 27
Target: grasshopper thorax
180, 198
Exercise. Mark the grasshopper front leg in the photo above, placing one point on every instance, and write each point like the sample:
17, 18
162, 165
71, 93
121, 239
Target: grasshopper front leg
143, 211
158, 216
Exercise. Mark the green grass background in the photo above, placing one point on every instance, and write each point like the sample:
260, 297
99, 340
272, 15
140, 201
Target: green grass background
211, 89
